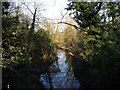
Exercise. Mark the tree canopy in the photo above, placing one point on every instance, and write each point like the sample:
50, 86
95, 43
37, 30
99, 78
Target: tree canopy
100, 24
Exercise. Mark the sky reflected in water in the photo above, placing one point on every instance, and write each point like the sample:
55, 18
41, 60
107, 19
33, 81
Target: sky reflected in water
61, 76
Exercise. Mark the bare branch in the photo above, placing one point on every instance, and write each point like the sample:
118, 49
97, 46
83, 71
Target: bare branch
63, 15
28, 8
70, 24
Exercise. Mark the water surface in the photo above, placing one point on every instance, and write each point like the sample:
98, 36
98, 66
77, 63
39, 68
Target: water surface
60, 74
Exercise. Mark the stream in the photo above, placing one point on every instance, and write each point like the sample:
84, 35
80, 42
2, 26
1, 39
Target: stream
60, 74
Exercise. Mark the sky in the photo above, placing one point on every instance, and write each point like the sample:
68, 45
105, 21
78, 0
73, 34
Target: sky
53, 8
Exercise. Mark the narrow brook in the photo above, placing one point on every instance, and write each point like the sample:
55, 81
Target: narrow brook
60, 74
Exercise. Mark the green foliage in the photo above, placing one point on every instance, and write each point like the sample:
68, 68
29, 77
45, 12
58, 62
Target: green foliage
98, 33
24, 50
70, 38
100, 45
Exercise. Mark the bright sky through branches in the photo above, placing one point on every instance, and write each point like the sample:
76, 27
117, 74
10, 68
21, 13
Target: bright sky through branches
54, 8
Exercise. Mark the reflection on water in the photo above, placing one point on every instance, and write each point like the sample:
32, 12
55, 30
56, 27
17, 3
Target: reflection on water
60, 74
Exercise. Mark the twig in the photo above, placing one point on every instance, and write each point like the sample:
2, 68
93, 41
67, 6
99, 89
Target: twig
63, 15
18, 74
28, 8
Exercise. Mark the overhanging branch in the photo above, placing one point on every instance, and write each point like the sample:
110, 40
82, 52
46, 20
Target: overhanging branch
69, 24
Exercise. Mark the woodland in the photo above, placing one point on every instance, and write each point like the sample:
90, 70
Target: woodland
92, 45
